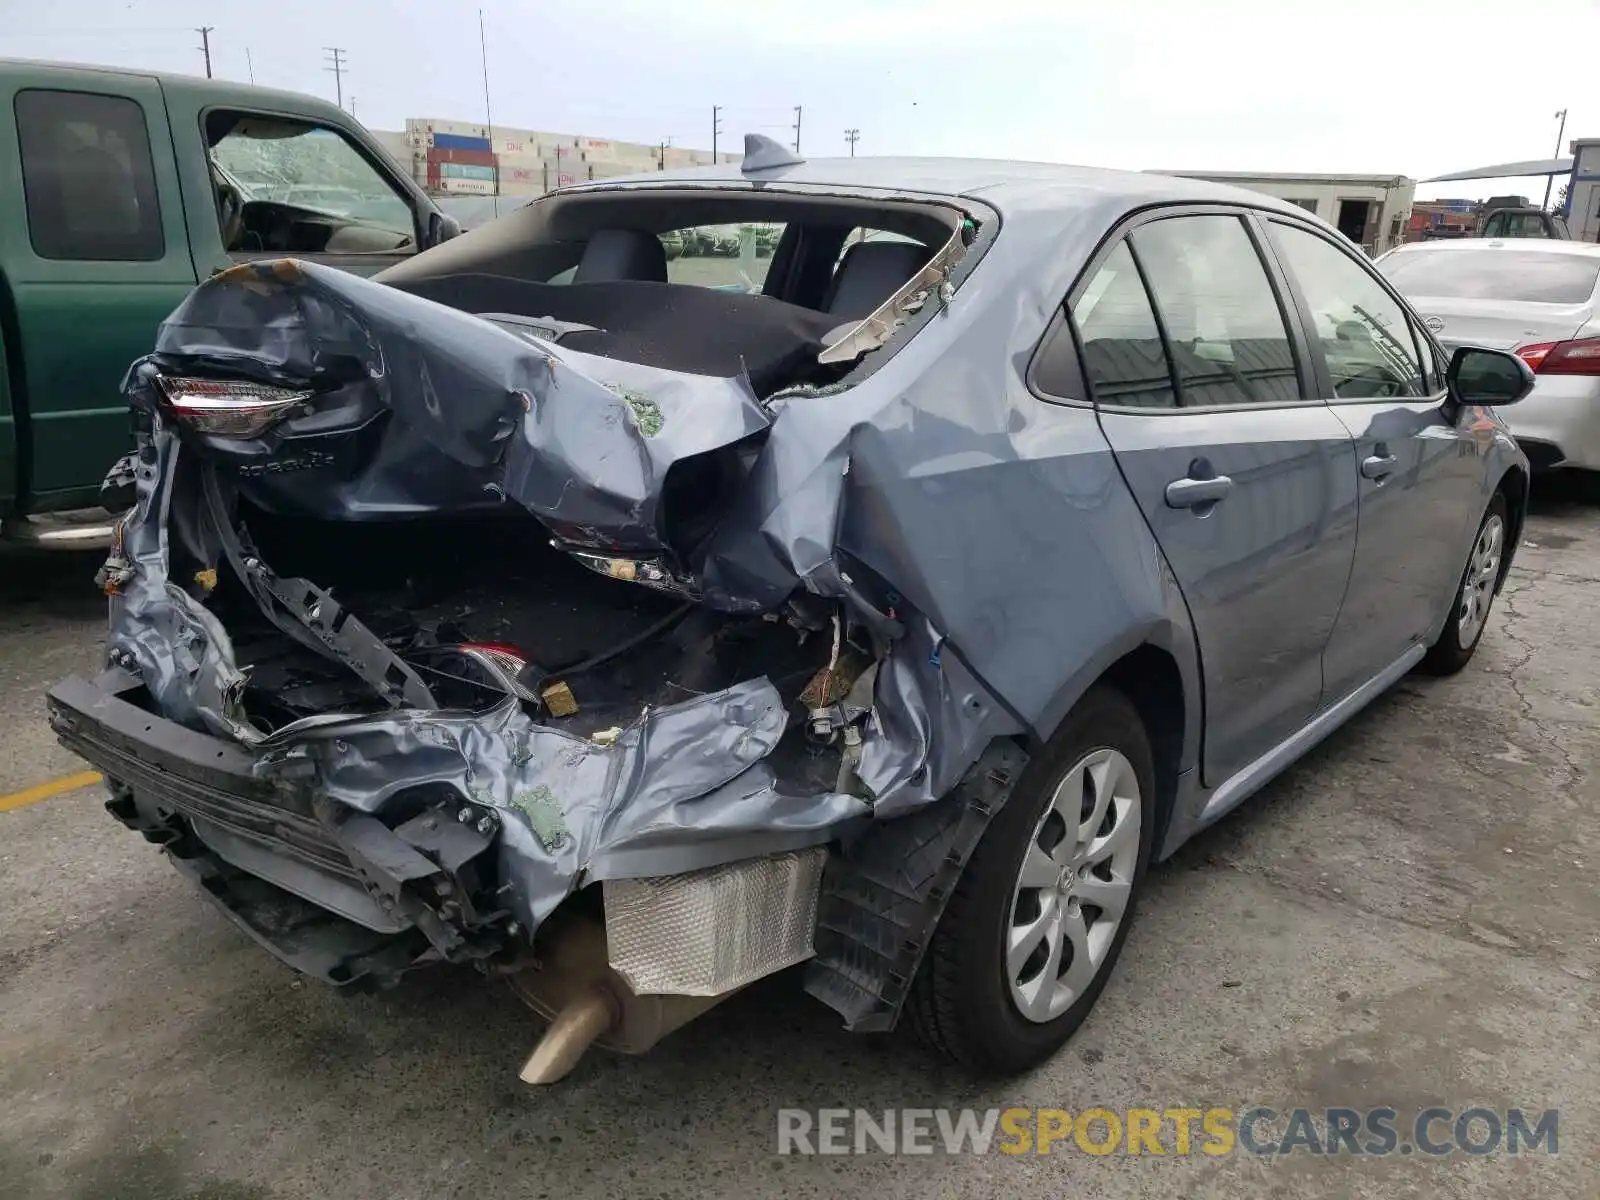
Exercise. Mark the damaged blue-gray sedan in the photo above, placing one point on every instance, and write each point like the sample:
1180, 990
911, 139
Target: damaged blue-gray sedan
885, 604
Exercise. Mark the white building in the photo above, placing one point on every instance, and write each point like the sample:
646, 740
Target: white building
1583, 190
1370, 210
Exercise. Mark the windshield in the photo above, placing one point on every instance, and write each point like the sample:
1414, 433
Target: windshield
1490, 273
316, 169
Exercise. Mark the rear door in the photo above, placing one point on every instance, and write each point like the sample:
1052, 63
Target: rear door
1419, 477
1201, 383
96, 255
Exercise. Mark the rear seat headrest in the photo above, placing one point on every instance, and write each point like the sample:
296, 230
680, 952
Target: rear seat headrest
614, 254
869, 274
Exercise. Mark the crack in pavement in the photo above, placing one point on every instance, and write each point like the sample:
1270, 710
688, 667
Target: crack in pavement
1512, 676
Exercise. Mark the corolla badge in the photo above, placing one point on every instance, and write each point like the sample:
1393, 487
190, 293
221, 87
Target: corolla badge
1435, 324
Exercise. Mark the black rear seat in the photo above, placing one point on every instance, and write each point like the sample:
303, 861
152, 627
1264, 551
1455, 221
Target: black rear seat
679, 327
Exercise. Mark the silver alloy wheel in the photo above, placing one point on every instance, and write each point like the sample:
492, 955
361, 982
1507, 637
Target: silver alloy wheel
1074, 885
1477, 588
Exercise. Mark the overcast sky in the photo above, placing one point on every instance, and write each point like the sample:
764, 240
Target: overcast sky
1407, 87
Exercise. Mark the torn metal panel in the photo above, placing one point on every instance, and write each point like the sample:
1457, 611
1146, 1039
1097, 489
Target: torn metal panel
157, 629
584, 442
682, 788
930, 720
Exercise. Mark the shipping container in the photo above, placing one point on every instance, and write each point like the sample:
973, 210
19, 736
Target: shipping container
516, 145
533, 173
467, 187
476, 158
459, 141
456, 128
394, 143
529, 150
465, 171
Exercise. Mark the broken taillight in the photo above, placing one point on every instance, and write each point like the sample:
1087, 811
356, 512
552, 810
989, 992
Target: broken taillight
502, 662
229, 408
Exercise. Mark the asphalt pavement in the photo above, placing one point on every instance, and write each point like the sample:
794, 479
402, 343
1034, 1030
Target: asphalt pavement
1409, 917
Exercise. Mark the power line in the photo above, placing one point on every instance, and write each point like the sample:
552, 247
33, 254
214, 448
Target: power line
205, 32
852, 136
336, 57
488, 114
797, 129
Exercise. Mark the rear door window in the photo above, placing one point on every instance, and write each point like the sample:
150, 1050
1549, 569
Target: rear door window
1122, 351
729, 257
88, 178
1225, 330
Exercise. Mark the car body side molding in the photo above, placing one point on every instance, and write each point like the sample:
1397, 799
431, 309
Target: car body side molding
1238, 787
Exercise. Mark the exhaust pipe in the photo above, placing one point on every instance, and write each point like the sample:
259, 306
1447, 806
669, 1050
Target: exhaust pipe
574, 1030
588, 1003
84, 529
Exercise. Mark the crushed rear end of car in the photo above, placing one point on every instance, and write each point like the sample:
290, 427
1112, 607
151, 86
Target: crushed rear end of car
441, 637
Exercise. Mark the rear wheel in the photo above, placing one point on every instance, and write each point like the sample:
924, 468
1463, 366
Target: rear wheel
1040, 915
1474, 594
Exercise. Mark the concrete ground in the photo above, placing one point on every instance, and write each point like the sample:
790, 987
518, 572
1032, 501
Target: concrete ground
1408, 918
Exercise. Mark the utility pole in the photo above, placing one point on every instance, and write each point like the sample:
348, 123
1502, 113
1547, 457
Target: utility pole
1561, 136
661, 156
205, 32
716, 128
797, 129
852, 136
336, 56
352, 104
250, 64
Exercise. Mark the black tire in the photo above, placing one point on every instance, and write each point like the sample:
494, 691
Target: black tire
960, 1004
1448, 655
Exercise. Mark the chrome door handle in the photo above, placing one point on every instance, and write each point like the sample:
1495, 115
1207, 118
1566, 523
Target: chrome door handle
1196, 493
1378, 466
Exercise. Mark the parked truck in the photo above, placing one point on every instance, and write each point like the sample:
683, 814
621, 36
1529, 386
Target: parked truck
120, 190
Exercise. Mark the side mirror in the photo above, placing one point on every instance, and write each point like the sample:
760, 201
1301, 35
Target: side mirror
441, 228
1487, 377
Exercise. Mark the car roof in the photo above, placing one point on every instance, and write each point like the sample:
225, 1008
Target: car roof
1537, 245
1008, 185
215, 91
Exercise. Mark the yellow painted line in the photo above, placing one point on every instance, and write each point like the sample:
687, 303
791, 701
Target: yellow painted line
43, 791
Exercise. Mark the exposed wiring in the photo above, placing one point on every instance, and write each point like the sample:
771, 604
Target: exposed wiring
605, 656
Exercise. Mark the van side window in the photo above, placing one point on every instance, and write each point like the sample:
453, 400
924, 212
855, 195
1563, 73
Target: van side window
88, 178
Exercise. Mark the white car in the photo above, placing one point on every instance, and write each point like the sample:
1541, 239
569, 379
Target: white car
1536, 297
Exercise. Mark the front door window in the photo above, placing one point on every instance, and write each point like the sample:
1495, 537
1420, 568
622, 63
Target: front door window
291, 187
